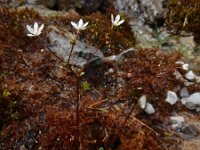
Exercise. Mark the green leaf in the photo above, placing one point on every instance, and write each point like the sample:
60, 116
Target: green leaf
86, 86
2, 74
101, 148
6, 93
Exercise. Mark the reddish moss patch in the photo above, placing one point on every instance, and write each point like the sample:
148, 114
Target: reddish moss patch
45, 93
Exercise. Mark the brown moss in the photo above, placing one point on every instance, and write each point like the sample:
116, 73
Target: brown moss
13, 28
58, 130
45, 93
181, 11
46, 105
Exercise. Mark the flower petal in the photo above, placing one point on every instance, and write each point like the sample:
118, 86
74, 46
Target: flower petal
120, 22
30, 30
80, 24
35, 28
85, 24
74, 24
112, 18
117, 18
30, 35
40, 29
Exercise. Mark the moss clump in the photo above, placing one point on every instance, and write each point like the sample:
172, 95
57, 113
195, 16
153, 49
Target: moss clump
184, 15
13, 28
111, 41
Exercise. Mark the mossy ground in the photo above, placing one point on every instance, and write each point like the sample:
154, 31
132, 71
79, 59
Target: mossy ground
44, 94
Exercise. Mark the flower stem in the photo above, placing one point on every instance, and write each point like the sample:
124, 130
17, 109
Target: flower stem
77, 104
70, 53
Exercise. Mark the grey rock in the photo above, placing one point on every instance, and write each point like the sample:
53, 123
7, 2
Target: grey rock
184, 92
142, 101
82, 53
192, 102
144, 10
190, 75
68, 4
12, 3
90, 5
171, 97
189, 132
149, 109
178, 122
60, 44
142, 14
47, 3
83, 5
187, 42
120, 57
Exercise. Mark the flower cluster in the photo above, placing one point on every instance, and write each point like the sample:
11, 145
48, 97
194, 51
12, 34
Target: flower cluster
79, 26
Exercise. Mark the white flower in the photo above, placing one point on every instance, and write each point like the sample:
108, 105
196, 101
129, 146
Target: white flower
116, 21
35, 31
79, 25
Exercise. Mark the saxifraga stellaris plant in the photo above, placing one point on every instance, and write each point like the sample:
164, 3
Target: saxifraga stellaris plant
36, 30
